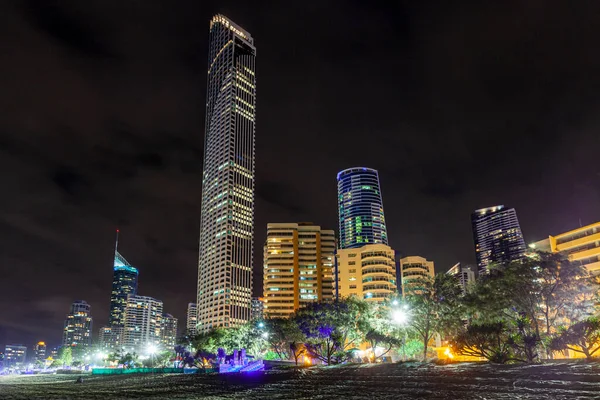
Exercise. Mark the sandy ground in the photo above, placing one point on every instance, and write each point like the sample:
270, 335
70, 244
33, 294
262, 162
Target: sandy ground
390, 381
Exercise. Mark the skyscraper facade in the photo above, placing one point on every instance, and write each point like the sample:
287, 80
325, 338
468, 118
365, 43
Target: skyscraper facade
227, 211
39, 351
368, 272
192, 319
298, 267
465, 275
168, 331
581, 245
14, 354
360, 207
125, 280
412, 270
143, 323
78, 325
497, 236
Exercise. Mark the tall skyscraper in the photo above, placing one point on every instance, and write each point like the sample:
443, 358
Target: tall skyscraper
360, 208
78, 325
367, 272
465, 275
497, 235
192, 319
143, 323
298, 267
111, 337
258, 307
227, 212
169, 331
125, 280
39, 351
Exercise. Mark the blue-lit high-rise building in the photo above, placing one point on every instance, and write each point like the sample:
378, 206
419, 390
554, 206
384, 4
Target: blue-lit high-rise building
497, 236
360, 207
125, 280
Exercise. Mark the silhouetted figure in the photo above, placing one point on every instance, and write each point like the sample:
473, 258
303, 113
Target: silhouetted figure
79, 380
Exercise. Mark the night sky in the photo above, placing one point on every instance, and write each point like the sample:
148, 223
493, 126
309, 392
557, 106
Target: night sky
459, 105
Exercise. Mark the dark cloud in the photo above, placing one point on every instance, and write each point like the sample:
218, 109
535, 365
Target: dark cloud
459, 105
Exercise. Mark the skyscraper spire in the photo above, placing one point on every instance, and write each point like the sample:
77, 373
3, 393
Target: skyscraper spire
116, 243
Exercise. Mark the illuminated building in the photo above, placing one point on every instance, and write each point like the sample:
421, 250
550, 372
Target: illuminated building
367, 272
78, 325
14, 354
227, 211
125, 280
497, 235
143, 323
465, 275
581, 245
169, 331
298, 267
192, 319
360, 207
257, 308
39, 351
413, 269
111, 337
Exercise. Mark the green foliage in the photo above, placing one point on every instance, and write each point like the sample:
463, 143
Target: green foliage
532, 298
410, 350
488, 340
282, 332
582, 337
332, 329
64, 357
434, 307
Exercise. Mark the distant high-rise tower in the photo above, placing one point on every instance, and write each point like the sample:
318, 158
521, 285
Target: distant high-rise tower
360, 208
125, 279
78, 325
168, 331
497, 235
192, 319
143, 323
227, 212
39, 350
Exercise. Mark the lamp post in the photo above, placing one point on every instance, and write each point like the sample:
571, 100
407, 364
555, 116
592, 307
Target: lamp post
400, 316
152, 351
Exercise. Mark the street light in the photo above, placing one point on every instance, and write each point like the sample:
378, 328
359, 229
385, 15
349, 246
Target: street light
152, 351
400, 317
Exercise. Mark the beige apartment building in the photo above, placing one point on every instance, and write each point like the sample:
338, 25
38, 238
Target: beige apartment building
414, 268
581, 245
367, 272
298, 267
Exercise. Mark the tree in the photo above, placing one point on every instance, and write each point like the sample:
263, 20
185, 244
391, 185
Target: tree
581, 337
281, 333
490, 341
375, 338
297, 350
535, 295
65, 356
332, 329
434, 307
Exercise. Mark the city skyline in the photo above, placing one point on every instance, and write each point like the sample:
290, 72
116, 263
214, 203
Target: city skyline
121, 146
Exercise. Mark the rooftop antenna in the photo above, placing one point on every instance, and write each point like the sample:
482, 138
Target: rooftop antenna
116, 243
